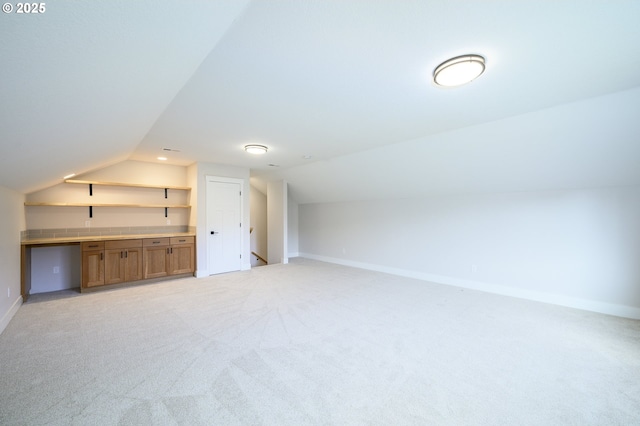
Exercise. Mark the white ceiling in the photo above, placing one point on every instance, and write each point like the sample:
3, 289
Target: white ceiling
87, 84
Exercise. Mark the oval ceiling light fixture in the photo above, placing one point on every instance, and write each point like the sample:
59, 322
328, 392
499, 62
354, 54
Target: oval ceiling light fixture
459, 70
256, 149
162, 158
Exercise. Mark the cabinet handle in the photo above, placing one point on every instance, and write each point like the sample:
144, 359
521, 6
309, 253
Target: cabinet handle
181, 241
126, 254
93, 245
155, 242
101, 256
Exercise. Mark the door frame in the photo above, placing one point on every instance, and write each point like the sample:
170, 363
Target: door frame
223, 179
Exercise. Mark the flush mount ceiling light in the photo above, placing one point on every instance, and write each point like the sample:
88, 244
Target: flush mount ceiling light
162, 158
255, 149
459, 70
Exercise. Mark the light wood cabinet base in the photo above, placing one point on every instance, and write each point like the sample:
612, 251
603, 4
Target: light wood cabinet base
106, 264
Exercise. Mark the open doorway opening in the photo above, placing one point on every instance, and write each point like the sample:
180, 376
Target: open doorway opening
258, 230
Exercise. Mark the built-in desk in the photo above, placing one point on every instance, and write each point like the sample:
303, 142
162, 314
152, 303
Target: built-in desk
120, 259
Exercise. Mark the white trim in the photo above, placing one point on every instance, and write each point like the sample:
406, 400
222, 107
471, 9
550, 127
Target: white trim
296, 254
10, 313
555, 299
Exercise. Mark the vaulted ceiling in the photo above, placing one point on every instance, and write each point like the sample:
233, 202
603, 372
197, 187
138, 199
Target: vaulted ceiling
88, 84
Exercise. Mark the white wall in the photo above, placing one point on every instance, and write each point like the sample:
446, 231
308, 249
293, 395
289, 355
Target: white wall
277, 210
140, 172
259, 223
577, 248
12, 213
192, 182
200, 171
55, 268
292, 226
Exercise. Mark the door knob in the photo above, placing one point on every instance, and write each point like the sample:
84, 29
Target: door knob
214, 232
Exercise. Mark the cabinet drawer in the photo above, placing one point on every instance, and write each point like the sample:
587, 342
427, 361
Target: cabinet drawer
182, 240
92, 245
151, 242
122, 244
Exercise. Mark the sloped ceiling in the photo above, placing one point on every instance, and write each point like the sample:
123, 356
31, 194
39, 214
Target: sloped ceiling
88, 84
83, 82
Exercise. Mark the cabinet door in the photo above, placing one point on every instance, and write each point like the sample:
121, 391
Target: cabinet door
156, 261
114, 267
182, 259
123, 260
92, 268
133, 265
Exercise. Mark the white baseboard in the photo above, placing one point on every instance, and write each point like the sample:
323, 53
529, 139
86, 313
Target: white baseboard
10, 313
555, 299
202, 273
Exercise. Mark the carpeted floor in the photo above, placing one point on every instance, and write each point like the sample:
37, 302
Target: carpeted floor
314, 343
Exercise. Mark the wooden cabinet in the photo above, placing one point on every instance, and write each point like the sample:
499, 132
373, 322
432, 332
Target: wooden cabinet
182, 255
156, 257
123, 261
92, 264
168, 256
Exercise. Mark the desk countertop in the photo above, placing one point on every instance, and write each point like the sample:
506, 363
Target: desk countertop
72, 240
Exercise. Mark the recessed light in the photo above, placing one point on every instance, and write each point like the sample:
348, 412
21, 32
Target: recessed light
459, 70
162, 158
170, 149
307, 157
255, 149
69, 176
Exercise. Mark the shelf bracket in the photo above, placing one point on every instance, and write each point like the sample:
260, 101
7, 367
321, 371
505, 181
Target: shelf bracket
166, 210
165, 193
91, 211
91, 190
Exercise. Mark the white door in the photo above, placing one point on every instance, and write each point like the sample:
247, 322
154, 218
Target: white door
224, 232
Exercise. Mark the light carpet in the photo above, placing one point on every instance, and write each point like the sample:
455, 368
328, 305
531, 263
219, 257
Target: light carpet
310, 343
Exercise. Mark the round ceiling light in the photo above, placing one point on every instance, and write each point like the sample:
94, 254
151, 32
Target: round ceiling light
459, 70
255, 149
